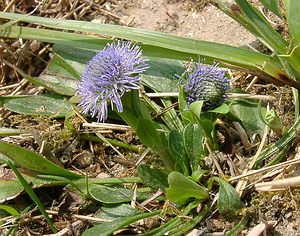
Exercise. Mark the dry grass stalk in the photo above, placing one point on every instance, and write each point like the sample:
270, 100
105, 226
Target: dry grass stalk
261, 228
277, 185
279, 167
241, 185
105, 126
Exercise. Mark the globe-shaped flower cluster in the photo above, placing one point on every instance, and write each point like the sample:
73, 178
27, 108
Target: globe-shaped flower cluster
108, 75
206, 83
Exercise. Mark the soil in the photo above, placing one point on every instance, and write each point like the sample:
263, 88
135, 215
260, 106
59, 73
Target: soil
182, 18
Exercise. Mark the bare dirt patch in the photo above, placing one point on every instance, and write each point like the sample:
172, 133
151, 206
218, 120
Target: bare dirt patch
182, 18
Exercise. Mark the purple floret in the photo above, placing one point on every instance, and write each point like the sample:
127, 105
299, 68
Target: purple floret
108, 75
206, 83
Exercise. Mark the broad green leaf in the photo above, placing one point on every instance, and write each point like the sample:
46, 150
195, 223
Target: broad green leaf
251, 123
134, 109
76, 56
4, 99
177, 149
196, 108
110, 195
66, 68
117, 194
80, 185
272, 5
153, 177
9, 189
271, 119
47, 105
108, 228
207, 122
228, 200
60, 76
114, 211
148, 133
33, 161
161, 76
194, 138
223, 109
181, 189
186, 115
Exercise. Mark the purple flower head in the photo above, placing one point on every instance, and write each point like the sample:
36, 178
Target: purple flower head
206, 83
108, 75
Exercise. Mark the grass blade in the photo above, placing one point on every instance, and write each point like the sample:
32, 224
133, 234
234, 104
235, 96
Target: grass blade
229, 54
273, 6
292, 10
263, 27
32, 195
281, 143
33, 161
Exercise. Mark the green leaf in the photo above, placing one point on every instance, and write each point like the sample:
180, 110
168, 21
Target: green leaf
10, 210
272, 5
153, 177
241, 109
32, 195
9, 189
186, 115
60, 76
47, 105
194, 138
161, 76
4, 99
116, 194
155, 43
238, 228
108, 228
271, 119
207, 122
292, 10
53, 36
177, 149
228, 200
196, 108
33, 161
223, 109
281, 144
114, 212
181, 189
148, 133
270, 36
110, 195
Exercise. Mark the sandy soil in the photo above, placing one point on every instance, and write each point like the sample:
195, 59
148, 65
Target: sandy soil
180, 18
